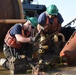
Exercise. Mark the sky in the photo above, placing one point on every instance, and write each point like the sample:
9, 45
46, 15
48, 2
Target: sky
67, 8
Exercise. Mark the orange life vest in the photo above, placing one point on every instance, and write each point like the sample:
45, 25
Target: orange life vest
52, 27
11, 41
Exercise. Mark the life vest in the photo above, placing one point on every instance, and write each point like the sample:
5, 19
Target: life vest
11, 41
51, 27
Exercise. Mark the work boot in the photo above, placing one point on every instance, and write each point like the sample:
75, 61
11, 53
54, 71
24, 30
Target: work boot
65, 61
2, 61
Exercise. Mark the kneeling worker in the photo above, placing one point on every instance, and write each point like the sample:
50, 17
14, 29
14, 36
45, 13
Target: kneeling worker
18, 41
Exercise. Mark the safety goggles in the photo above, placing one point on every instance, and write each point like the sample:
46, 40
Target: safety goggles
32, 27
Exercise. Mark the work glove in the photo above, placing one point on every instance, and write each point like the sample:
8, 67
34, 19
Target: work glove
34, 39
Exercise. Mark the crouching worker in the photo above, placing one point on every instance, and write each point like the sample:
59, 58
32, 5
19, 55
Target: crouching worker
18, 41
